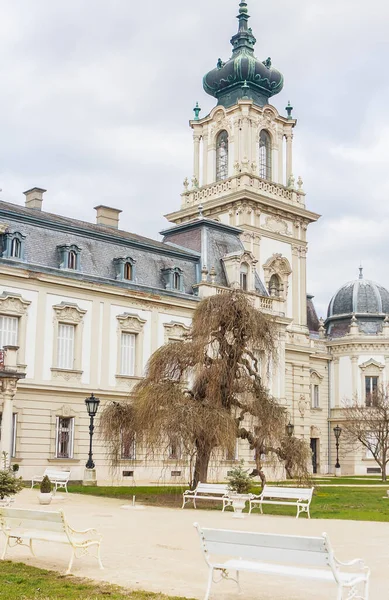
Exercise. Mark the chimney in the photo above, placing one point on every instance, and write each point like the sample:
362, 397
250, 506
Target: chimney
107, 216
34, 198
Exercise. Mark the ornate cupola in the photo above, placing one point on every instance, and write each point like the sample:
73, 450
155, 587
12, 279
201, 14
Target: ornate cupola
243, 75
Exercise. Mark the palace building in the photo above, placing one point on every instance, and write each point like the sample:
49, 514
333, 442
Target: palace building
84, 305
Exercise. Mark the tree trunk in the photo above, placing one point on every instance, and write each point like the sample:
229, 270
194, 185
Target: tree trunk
383, 468
203, 456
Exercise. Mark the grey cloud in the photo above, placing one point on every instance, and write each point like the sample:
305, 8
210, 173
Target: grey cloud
96, 96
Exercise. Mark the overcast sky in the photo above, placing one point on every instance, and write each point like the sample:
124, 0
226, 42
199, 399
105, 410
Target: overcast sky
95, 98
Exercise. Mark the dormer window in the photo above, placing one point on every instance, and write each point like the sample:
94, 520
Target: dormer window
244, 271
173, 279
125, 268
16, 248
14, 245
72, 260
128, 271
70, 256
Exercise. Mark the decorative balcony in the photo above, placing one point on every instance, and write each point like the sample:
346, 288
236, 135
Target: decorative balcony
265, 304
242, 182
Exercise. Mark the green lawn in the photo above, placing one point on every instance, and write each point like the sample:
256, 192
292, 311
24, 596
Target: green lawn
20, 582
358, 504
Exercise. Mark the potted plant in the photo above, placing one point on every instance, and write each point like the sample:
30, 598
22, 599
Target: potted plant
45, 489
9, 486
239, 484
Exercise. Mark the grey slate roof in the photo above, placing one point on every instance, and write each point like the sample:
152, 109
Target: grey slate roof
367, 300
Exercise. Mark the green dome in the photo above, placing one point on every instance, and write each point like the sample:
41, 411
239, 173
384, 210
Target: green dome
243, 75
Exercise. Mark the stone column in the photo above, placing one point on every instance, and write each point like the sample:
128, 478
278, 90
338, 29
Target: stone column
295, 284
303, 285
280, 157
8, 392
386, 370
205, 158
236, 141
196, 157
354, 376
289, 157
246, 139
336, 382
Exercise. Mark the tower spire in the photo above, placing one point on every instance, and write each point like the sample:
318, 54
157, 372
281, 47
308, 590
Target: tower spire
360, 272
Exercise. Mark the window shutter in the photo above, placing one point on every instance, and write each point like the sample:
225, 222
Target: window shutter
127, 359
8, 331
66, 346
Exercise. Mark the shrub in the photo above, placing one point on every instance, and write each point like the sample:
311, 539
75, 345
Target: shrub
15, 468
45, 485
239, 481
9, 485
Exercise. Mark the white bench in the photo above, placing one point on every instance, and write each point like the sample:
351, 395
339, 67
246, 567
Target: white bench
58, 478
21, 526
288, 496
208, 491
281, 555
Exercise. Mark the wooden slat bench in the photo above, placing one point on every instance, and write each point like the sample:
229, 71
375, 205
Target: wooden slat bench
22, 527
281, 555
208, 491
58, 478
287, 496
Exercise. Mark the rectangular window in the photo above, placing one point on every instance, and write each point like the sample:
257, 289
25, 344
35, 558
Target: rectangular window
175, 452
8, 331
371, 385
127, 354
128, 447
66, 337
14, 432
64, 437
315, 396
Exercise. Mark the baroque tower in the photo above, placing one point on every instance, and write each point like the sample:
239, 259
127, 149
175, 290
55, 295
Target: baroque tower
243, 175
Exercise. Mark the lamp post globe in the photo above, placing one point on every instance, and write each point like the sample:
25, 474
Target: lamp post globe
290, 429
92, 405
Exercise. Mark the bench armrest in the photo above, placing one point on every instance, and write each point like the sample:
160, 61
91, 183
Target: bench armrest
189, 492
255, 496
351, 563
85, 531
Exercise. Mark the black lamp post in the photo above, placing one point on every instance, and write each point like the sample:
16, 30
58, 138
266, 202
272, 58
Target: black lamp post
92, 404
290, 429
337, 432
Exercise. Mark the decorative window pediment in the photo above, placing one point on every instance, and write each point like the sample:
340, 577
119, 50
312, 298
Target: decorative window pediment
316, 377
125, 268
371, 366
69, 313
175, 331
240, 270
14, 245
130, 323
173, 279
70, 257
13, 304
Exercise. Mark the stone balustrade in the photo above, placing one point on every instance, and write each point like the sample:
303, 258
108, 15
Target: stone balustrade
242, 182
263, 303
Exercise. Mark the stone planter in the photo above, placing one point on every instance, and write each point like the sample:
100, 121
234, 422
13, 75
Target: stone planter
238, 504
45, 498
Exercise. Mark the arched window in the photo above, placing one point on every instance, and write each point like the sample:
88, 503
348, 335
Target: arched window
275, 286
222, 156
176, 281
244, 270
16, 248
72, 260
265, 155
128, 271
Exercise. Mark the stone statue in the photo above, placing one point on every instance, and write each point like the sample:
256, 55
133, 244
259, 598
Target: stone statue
220, 63
267, 62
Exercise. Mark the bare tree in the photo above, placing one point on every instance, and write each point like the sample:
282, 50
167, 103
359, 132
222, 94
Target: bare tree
368, 425
206, 391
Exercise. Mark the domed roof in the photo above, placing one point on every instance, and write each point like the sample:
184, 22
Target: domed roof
366, 300
243, 75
